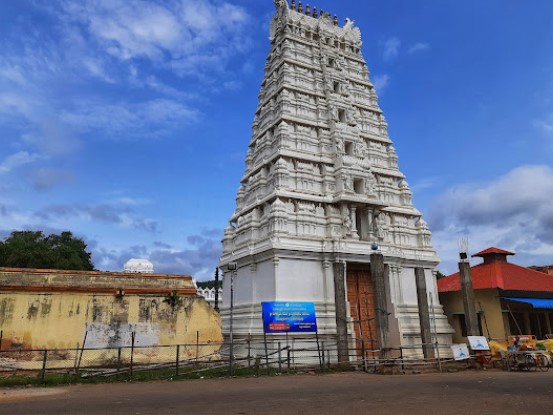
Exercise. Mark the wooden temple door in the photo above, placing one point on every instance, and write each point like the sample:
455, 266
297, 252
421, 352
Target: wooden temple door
360, 295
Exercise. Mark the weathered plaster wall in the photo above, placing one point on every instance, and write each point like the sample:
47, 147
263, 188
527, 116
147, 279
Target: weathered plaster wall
54, 311
487, 301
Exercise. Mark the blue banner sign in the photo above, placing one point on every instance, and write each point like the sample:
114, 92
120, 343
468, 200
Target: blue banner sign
288, 316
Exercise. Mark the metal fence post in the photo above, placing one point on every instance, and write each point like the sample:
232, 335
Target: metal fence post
43, 372
319, 351
82, 351
323, 356
293, 353
279, 359
118, 360
402, 361
132, 352
1, 336
249, 351
266, 352
197, 347
177, 360
76, 357
288, 358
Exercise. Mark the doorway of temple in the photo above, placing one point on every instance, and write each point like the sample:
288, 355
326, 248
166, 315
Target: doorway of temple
360, 295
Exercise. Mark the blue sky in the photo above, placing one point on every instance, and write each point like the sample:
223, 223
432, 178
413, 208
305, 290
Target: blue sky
127, 121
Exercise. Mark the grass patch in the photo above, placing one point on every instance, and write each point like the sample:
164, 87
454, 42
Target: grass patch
187, 373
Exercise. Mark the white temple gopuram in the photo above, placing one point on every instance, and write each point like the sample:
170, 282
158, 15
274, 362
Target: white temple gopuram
322, 194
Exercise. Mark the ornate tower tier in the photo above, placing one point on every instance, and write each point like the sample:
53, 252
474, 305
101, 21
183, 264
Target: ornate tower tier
322, 186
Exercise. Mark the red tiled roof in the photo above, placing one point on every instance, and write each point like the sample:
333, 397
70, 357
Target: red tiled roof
493, 250
501, 275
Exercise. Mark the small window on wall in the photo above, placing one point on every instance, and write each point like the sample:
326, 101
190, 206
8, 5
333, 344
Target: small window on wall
336, 87
342, 115
348, 148
358, 186
331, 62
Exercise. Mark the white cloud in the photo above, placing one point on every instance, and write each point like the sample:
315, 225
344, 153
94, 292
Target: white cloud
199, 258
106, 40
512, 212
16, 104
159, 113
155, 84
130, 29
131, 201
58, 215
391, 48
16, 160
97, 68
419, 47
164, 33
381, 82
13, 74
13, 218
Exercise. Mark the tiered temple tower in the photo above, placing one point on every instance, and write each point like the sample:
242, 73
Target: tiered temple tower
322, 187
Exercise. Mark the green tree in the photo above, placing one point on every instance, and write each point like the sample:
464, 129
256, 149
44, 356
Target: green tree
207, 284
440, 275
32, 249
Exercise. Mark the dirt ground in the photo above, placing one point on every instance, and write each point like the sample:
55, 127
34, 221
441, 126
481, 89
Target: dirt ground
485, 392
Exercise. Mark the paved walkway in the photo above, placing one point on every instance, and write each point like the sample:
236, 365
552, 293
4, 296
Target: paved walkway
482, 392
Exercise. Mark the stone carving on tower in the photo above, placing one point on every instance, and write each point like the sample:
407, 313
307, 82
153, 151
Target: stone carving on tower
321, 183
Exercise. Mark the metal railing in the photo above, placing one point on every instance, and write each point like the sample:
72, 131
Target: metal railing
294, 353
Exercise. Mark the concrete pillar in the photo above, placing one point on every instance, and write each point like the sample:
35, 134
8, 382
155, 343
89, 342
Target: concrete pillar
341, 312
378, 274
424, 314
354, 232
471, 319
370, 224
327, 280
